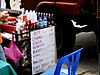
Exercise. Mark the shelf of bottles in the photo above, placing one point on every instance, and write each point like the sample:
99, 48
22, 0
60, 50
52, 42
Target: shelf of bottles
25, 23
31, 20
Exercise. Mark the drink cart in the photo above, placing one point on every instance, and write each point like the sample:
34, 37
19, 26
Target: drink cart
24, 41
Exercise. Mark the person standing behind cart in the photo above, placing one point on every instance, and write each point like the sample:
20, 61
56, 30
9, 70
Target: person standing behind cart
8, 6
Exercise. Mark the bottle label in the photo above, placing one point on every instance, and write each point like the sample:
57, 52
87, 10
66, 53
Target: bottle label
24, 17
48, 22
45, 23
41, 24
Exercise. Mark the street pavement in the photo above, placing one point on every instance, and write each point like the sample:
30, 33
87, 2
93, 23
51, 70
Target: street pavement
88, 64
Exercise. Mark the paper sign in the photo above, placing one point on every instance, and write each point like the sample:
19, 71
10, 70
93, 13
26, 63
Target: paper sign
43, 49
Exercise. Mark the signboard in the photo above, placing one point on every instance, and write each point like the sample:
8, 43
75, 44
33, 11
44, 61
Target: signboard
43, 49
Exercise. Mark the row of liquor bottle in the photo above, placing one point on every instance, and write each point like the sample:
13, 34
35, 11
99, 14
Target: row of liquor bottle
46, 17
31, 20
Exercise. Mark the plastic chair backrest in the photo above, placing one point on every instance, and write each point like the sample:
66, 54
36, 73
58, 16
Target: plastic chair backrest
75, 59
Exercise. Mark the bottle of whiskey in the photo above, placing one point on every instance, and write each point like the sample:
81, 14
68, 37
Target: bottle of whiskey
52, 19
48, 20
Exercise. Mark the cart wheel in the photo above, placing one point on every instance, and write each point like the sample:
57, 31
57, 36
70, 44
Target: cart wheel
58, 38
27, 71
64, 46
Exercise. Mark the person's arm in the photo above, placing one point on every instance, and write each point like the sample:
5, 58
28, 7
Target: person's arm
3, 16
14, 3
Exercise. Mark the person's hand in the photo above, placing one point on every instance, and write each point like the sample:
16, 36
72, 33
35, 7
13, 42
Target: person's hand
3, 15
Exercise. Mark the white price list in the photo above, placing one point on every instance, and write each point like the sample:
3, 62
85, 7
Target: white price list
43, 49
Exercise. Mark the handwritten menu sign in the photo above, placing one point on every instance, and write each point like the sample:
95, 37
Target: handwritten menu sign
43, 49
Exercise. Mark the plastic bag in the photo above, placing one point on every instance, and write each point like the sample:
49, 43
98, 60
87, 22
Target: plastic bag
12, 52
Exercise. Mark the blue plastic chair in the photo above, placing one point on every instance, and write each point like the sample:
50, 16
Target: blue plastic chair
59, 70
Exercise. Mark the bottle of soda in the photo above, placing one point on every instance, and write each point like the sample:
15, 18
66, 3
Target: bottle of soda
44, 21
40, 22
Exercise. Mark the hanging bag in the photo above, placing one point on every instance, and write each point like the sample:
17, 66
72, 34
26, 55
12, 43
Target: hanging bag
12, 52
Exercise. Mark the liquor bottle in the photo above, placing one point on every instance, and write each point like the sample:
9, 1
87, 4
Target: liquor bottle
40, 22
29, 25
31, 15
27, 14
26, 26
17, 28
34, 16
52, 20
38, 15
45, 21
48, 20
34, 20
42, 15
